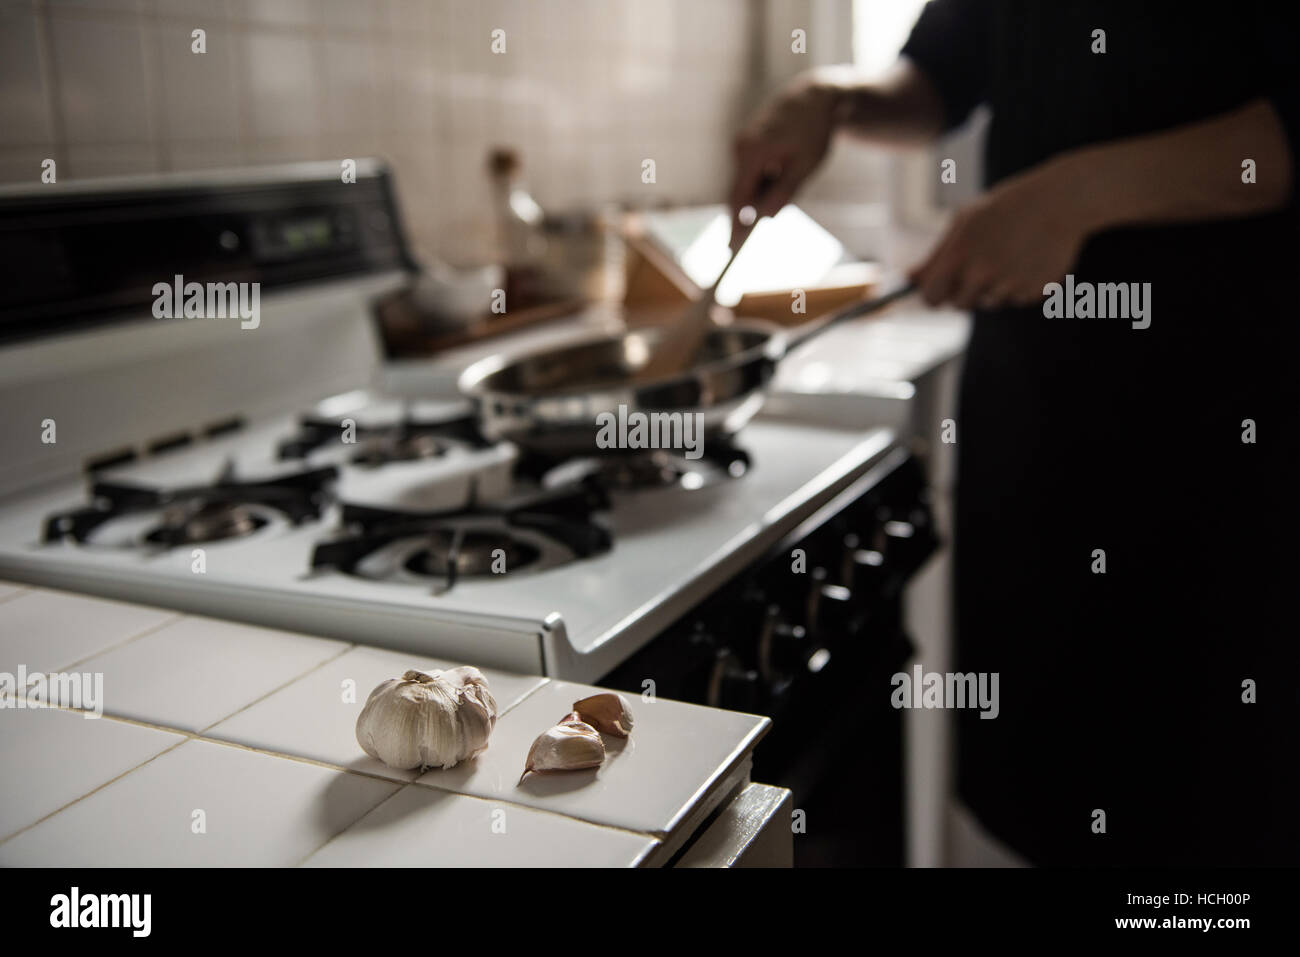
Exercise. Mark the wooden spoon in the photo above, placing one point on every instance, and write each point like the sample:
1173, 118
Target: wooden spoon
681, 340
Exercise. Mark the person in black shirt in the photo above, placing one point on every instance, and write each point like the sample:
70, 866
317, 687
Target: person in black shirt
1126, 536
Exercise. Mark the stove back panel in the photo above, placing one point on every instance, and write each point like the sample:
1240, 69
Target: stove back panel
86, 254
85, 353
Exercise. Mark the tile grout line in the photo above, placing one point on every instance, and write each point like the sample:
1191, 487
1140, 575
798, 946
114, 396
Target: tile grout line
299, 759
278, 688
78, 800
53, 84
657, 838
315, 850
19, 591
655, 835
201, 734
370, 810
151, 630
400, 784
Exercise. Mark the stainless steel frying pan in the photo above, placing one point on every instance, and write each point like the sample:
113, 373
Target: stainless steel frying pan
547, 401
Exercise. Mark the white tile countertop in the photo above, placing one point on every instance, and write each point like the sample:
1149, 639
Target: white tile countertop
222, 744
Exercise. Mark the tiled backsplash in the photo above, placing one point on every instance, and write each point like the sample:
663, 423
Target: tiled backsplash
586, 90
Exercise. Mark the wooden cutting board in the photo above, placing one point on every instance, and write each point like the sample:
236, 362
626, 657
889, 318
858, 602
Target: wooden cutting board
656, 283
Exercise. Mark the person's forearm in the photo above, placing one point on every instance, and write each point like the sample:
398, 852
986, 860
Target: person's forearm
900, 108
1187, 174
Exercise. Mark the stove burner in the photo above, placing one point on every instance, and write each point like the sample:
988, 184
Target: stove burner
399, 448
453, 554
655, 470
195, 521
635, 471
202, 513
448, 548
404, 440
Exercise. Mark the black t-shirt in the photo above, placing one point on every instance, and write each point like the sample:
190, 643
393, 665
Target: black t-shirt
1122, 690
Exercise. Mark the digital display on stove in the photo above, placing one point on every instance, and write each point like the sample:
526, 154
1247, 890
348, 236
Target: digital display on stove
302, 234
308, 233
80, 257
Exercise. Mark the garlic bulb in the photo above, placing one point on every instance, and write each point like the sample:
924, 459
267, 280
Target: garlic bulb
433, 719
607, 713
570, 745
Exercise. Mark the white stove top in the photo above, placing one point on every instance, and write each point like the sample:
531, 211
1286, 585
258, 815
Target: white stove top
138, 383
578, 620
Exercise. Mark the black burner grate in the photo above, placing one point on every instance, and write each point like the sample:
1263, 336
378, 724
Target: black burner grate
403, 440
222, 507
632, 470
565, 515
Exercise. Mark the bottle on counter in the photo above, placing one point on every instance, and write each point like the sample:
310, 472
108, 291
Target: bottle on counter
520, 243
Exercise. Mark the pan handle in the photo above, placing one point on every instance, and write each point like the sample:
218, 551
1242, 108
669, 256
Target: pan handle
801, 334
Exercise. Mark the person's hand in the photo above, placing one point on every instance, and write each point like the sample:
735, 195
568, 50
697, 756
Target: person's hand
785, 142
1006, 245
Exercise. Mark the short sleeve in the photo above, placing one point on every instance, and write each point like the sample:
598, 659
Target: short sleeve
950, 45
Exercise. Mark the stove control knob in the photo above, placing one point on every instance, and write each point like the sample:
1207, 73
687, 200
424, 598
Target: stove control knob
851, 545
835, 620
700, 643
897, 531
903, 542
782, 647
867, 573
745, 619
812, 604
733, 686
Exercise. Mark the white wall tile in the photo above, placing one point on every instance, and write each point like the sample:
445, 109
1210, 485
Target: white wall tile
411, 16
279, 12
282, 86
294, 149
96, 6
23, 164
356, 86
103, 92
416, 83
204, 155
586, 90
24, 113
197, 13
114, 159
348, 16
198, 93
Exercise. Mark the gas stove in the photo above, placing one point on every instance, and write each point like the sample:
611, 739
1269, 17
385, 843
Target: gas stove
286, 472
471, 553
267, 475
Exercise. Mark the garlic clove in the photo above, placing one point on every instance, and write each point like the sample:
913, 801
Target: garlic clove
569, 746
606, 712
428, 719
